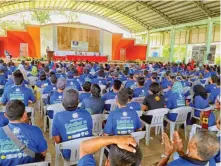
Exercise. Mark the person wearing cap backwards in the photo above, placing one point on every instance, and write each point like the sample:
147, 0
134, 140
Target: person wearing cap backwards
57, 96
29, 135
73, 83
18, 91
94, 104
72, 123
123, 120
140, 90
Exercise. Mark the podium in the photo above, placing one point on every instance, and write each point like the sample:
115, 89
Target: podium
50, 55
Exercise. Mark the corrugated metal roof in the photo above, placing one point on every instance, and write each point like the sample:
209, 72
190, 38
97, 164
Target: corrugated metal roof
135, 16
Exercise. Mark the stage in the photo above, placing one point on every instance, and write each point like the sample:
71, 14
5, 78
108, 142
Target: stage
81, 58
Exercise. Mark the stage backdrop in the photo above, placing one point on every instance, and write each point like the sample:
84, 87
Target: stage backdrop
65, 35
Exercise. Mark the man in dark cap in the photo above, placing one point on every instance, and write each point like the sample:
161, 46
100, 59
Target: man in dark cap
72, 123
123, 120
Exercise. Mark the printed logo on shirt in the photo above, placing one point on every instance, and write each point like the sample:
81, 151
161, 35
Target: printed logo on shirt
54, 88
124, 114
60, 97
71, 83
75, 115
131, 107
157, 98
17, 90
16, 130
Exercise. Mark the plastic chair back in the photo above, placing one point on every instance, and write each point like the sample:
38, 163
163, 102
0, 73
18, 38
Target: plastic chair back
138, 99
97, 123
138, 135
182, 113
32, 80
45, 163
113, 104
157, 115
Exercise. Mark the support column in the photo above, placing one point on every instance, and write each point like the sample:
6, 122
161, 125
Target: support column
172, 42
148, 45
209, 38
187, 43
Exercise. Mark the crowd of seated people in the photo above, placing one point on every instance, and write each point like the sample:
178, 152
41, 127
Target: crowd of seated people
83, 89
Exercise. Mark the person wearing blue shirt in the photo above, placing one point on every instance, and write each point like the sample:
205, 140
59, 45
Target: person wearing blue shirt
212, 84
59, 73
43, 82
133, 105
201, 149
123, 120
52, 86
207, 72
111, 95
214, 92
29, 135
140, 90
18, 91
94, 104
72, 123
73, 83
152, 79
87, 91
2, 81
3, 120
124, 151
57, 96
130, 81
175, 99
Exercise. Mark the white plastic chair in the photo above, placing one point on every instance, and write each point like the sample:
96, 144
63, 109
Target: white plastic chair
32, 80
196, 127
181, 118
205, 81
44, 163
157, 121
43, 97
138, 135
56, 108
203, 110
97, 123
113, 104
138, 99
74, 146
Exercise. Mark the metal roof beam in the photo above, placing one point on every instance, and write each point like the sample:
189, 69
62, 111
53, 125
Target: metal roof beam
202, 7
169, 20
119, 11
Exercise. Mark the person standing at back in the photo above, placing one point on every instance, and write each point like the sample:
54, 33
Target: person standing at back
18, 91
72, 123
29, 135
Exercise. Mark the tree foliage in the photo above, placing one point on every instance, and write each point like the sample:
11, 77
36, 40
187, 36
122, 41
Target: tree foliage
41, 16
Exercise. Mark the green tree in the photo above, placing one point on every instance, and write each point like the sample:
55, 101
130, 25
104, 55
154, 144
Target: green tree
41, 16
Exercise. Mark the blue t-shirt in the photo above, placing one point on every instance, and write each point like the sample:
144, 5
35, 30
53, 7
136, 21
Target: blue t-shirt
122, 121
93, 105
31, 136
55, 97
72, 125
3, 120
60, 75
134, 106
139, 92
73, 83
207, 75
42, 83
2, 79
99, 81
83, 96
108, 96
210, 87
213, 95
189, 162
129, 83
49, 88
87, 160
18, 92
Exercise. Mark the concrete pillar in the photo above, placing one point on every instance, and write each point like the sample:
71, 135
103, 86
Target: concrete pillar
209, 38
172, 42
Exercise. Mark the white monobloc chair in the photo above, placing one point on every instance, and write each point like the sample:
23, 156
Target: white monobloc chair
74, 146
202, 110
97, 123
32, 80
138, 99
42, 106
181, 118
113, 104
56, 108
157, 121
44, 163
